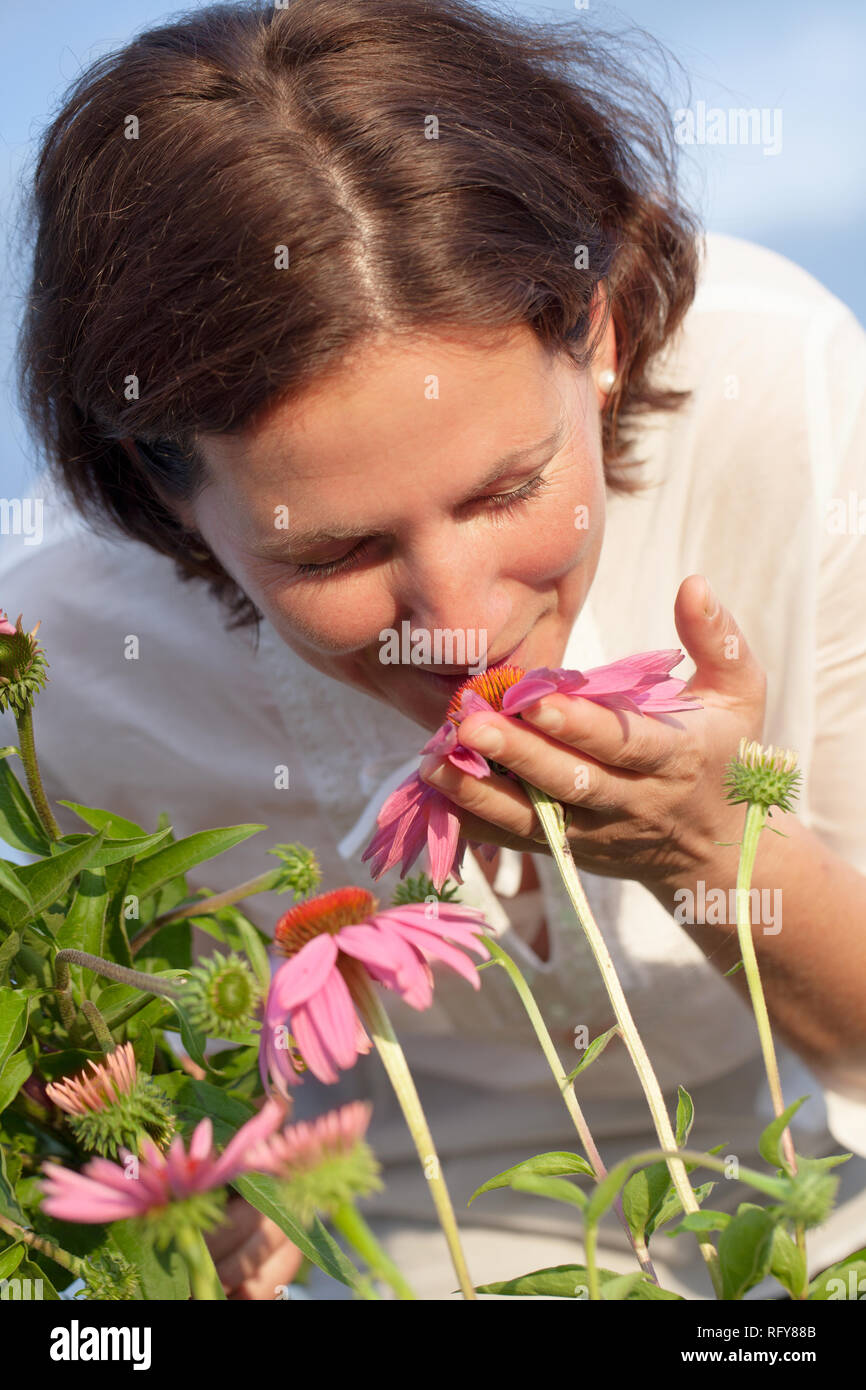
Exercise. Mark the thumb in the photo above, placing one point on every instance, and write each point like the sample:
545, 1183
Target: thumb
723, 658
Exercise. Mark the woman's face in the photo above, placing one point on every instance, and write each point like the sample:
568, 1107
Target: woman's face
382, 509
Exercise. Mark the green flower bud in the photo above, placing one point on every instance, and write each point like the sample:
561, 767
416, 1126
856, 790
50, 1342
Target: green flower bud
765, 776
22, 665
114, 1106
222, 997
420, 888
813, 1192
300, 871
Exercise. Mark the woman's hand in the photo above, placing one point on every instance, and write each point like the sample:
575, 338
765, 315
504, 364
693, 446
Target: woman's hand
645, 792
254, 1259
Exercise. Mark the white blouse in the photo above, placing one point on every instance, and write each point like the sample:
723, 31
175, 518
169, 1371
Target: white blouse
757, 485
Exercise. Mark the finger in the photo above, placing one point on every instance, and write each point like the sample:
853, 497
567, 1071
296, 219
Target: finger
547, 762
498, 801
239, 1264
240, 1221
617, 739
724, 661
276, 1270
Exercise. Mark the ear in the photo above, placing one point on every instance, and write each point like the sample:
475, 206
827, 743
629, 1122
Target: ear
181, 511
604, 363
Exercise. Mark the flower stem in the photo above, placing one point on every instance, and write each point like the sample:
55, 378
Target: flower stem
100, 1028
756, 816
44, 1247
351, 1224
150, 984
566, 1090
394, 1062
203, 1278
551, 817
27, 749
65, 1002
262, 883
589, 1243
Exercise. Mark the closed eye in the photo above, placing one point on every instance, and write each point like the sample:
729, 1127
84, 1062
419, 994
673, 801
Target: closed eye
503, 504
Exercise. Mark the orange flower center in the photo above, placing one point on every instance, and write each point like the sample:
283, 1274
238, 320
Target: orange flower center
328, 912
490, 685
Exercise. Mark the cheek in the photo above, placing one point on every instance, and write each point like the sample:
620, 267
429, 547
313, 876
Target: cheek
562, 533
335, 617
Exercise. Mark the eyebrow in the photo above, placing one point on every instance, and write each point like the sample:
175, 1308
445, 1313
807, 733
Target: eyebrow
299, 541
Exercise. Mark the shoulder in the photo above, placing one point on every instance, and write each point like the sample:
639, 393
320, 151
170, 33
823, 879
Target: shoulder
124, 637
88, 589
740, 277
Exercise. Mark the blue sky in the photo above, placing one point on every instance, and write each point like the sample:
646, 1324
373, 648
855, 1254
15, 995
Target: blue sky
807, 202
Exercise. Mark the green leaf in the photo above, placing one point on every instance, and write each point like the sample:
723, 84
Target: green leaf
84, 927
159, 867
606, 1191
8, 951
734, 968
8, 1200
162, 1274
557, 1189
13, 1076
672, 1204
114, 851
769, 1143
97, 818
702, 1221
315, 1241
569, 1281
787, 1263
644, 1194
745, 1250
685, 1116
49, 878
193, 1040
10, 881
32, 1269
20, 826
231, 927
596, 1047
547, 1165
843, 1280
55, 1065
14, 1011
613, 1290
115, 941
10, 1260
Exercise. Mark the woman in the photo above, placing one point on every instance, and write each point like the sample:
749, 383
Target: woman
380, 314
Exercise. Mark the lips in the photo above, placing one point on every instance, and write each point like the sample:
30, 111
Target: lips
448, 682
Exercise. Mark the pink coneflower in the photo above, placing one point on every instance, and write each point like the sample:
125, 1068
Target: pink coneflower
415, 815
114, 1105
326, 939
6, 628
113, 1076
105, 1191
322, 1163
309, 1142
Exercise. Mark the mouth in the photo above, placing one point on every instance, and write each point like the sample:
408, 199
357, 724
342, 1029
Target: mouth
448, 682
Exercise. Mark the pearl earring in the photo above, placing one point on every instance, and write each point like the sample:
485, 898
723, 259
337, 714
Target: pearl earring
606, 380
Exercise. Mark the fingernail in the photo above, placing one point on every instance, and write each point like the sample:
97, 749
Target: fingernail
545, 717
486, 738
430, 768
711, 603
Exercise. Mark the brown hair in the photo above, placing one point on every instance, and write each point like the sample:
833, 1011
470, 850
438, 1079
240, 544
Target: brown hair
180, 165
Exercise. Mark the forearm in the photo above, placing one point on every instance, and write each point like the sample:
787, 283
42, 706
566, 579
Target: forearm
812, 957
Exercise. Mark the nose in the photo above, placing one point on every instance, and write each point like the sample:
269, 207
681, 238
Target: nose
450, 580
